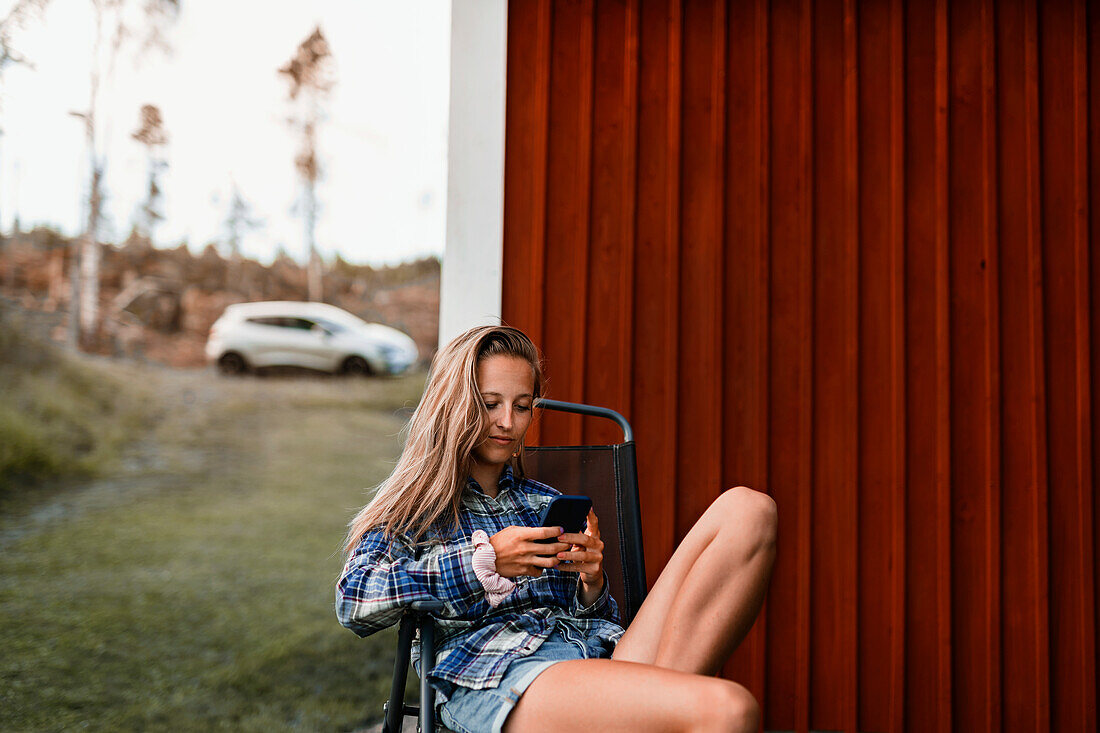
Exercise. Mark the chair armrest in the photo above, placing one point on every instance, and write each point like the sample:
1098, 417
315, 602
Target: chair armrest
426, 606
424, 620
418, 616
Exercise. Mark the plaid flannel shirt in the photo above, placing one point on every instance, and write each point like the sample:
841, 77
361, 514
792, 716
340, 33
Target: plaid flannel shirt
475, 642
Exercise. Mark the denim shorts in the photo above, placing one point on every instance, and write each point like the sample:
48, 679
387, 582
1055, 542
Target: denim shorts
480, 711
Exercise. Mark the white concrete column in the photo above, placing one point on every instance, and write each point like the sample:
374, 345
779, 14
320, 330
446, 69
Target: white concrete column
470, 289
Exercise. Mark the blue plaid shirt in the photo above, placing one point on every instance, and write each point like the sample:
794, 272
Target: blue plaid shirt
475, 642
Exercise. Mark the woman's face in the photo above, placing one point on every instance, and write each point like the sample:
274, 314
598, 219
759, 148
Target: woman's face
507, 386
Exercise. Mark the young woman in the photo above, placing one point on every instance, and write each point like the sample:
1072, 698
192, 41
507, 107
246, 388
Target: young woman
529, 638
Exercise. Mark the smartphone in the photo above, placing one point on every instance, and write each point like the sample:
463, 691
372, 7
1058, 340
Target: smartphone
568, 512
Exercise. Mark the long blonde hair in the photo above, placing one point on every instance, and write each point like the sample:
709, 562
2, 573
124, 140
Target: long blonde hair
431, 473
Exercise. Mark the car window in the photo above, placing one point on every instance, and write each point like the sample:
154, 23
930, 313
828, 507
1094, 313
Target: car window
283, 322
303, 324
330, 326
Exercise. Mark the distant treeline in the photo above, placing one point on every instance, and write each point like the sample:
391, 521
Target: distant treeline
210, 269
161, 301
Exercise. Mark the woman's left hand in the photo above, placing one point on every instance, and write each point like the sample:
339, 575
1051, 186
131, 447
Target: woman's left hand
585, 557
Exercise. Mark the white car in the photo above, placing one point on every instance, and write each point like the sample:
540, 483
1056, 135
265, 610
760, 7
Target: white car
309, 335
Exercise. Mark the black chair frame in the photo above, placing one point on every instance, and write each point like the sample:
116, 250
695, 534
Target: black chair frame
419, 614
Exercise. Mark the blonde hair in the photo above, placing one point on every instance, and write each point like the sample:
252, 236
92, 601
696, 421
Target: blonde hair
427, 483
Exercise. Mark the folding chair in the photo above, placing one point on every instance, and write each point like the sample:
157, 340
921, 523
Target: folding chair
608, 474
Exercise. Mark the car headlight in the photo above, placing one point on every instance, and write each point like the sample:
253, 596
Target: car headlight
392, 352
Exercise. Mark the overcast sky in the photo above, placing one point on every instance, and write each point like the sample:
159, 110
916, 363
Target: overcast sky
224, 106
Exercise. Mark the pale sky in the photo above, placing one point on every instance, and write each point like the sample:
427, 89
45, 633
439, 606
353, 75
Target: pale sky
383, 147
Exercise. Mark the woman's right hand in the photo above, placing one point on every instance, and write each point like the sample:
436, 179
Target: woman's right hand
518, 553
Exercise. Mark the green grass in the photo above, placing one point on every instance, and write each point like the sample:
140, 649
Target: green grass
197, 594
60, 417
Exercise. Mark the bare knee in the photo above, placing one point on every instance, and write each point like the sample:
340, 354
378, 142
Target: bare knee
726, 706
751, 515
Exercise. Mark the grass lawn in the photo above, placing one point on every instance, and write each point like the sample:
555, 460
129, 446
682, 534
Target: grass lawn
193, 590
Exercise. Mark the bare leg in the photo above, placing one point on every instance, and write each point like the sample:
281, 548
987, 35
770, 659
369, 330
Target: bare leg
707, 597
606, 695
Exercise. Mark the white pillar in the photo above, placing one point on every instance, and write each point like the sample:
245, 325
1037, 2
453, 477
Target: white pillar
470, 289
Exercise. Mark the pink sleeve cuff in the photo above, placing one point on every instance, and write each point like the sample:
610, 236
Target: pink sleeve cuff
485, 568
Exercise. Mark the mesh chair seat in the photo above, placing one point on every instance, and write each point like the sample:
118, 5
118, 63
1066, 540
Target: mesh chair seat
603, 473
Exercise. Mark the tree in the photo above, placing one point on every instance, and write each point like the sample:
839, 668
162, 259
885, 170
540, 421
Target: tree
309, 73
151, 134
237, 223
114, 24
17, 18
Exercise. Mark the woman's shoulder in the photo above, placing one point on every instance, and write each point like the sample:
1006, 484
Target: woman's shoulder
380, 538
390, 541
531, 486
537, 495
378, 545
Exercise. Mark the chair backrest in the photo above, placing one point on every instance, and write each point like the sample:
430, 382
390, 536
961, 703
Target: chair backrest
608, 475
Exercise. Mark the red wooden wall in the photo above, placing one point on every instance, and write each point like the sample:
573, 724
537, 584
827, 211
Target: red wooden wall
838, 250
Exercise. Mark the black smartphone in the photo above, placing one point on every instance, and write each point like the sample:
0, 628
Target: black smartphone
568, 512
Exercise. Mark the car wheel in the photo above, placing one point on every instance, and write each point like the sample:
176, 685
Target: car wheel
356, 366
232, 364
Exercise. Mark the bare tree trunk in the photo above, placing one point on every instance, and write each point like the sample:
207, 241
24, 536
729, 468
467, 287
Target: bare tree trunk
91, 254
308, 71
315, 276
74, 296
89, 287
314, 272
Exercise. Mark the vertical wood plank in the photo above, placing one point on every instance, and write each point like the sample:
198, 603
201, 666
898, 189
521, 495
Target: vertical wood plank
991, 412
702, 180
610, 283
1023, 487
896, 708
568, 204
835, 430
896, 712
975, 567
1065, 305
881, 369
1083, 316
656, 299
525, 164
928, 701
944, 692
1092, 42
790, 350
745, 321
